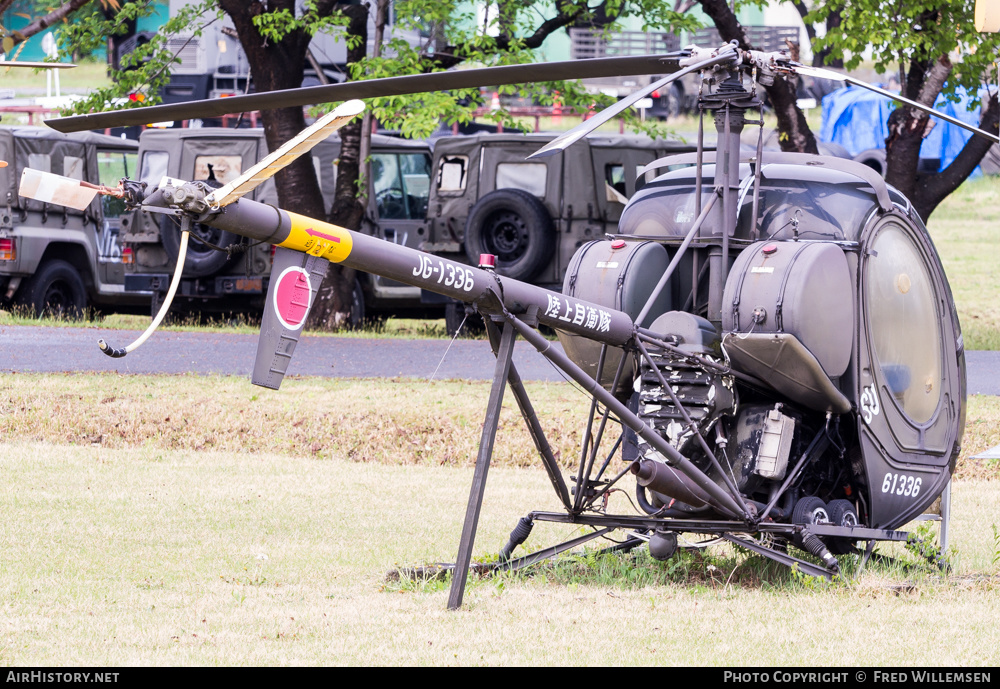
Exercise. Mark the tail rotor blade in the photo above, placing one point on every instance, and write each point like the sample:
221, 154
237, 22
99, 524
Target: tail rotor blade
64, 191
295, 280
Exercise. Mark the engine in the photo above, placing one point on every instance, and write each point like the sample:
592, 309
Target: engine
684, 400
736, 435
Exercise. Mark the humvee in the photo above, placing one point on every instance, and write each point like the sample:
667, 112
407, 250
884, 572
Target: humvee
532, 215
55, 259
236, 280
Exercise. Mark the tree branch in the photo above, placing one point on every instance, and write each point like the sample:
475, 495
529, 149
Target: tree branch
931, 190
48, 20
725, 21
455, 54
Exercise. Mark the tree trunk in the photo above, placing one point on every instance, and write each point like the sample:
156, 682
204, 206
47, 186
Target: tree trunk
930, 190
793, 131
276, 66
908, 126
821, 58
332, 309
832, 21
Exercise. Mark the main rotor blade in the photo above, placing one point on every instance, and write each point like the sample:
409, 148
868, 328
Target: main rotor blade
36, 65
303, 142
374, 88
820, 73
581, 130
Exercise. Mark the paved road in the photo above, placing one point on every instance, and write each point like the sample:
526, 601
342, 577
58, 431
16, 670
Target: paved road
25, 348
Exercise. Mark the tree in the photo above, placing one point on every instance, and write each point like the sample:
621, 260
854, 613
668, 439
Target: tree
916, 38
12, 39
920, 40
794, 133
141, 73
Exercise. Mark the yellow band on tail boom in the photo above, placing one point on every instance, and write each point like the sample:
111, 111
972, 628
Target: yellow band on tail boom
318, 238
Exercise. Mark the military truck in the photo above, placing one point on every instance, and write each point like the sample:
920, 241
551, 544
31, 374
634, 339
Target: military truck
485, 198
531, 214
54, 259
236, 280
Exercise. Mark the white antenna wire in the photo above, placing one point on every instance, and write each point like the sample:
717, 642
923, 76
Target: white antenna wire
164, 307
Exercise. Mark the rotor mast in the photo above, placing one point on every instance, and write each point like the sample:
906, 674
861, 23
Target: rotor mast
729, 103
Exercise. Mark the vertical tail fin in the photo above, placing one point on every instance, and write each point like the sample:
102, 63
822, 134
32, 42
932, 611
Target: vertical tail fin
295, 280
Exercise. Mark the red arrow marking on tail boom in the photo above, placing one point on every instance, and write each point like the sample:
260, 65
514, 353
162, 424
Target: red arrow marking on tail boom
313, 233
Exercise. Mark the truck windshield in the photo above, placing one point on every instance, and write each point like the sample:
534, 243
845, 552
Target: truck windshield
401, 184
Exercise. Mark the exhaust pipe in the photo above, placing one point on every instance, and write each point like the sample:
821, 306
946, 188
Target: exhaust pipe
666, 480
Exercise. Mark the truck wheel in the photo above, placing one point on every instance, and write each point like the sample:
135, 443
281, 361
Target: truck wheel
514, 226
673, 101
455, 318
357, 318
56, 289
202, 260
873, 158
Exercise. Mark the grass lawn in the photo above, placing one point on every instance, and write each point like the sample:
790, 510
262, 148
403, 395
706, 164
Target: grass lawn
183, 520
145, 556
966, 231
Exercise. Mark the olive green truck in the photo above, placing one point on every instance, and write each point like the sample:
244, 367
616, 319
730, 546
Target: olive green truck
57, 260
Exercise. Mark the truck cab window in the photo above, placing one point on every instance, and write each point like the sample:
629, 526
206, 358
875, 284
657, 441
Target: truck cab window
224, 168
614, 183
452, 174
416, 171
529, 177
40, 161
73, 167
614, 175
154, 167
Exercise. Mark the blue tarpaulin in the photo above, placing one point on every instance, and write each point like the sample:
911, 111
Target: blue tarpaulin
857, 119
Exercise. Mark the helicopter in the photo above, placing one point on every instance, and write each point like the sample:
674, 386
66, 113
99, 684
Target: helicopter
769, 340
